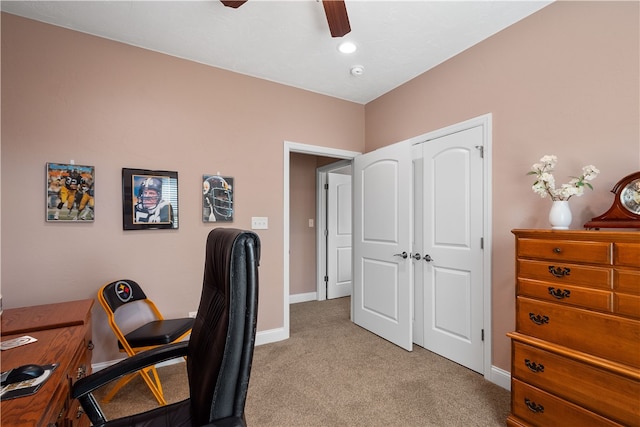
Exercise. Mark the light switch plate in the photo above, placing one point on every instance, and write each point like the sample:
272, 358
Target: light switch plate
259, 223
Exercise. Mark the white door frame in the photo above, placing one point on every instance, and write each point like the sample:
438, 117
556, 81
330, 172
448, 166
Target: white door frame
295, 147
321, 223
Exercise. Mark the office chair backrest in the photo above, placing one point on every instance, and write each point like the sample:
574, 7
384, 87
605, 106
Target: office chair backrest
223, 336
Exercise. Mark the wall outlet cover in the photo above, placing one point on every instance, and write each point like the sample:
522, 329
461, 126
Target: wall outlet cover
259, 223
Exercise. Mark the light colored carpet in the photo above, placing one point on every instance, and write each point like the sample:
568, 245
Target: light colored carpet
334, 373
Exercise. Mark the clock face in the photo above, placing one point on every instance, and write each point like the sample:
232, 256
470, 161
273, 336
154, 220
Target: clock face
630, 196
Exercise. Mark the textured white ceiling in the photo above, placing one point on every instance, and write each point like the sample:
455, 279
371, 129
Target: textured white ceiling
288, 41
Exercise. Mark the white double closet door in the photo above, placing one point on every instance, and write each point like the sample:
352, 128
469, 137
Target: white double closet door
418, 271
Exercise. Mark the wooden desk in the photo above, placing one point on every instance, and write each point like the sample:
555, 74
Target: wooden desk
63, 332
47, 316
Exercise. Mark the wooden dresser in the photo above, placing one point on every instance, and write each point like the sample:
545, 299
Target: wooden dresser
576, 350
63, 332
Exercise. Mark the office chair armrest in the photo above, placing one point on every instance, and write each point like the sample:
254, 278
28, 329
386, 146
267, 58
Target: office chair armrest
127, 366
228, 422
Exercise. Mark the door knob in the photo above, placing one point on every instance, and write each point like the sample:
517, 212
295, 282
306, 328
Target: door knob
416, 256
427, 258
403, 255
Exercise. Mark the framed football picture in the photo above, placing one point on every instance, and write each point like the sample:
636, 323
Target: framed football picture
149, 199
70, 193
217, 198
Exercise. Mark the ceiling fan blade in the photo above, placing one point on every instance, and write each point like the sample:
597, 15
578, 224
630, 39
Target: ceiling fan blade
337, 17
233, 4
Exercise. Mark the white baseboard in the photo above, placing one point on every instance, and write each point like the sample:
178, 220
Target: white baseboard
272, 335
95, 367
309, 296
500, 377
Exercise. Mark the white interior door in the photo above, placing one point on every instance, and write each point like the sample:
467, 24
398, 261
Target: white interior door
338, 235
452, 200
382, 284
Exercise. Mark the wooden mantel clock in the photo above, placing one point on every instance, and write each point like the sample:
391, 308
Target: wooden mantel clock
625, 211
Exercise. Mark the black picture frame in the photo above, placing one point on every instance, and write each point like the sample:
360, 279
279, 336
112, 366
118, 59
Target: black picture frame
217, 198
70, 193
161, 210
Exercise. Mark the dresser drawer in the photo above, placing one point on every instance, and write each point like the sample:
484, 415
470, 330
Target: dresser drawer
566, 294
543, 409
565, 273
603, 392
628, 305
627, 281
600, 334
626, 284
565, 250
627, 254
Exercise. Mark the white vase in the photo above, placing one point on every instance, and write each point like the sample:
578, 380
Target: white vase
560, 215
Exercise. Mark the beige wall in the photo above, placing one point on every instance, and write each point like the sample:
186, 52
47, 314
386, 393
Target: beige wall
67, 95
564, 81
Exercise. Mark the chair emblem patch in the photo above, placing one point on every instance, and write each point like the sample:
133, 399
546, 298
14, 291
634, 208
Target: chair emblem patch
123, 291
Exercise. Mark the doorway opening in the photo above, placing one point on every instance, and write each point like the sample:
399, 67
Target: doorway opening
293, 147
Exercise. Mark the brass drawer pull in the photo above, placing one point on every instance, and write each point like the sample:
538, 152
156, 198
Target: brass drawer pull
559, 271
533, 366
82, 372
559, 293
538, 319
533, 406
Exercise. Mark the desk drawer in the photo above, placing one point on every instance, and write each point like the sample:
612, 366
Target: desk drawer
600, 334
79, 368
565, 250
540, 408
603, 392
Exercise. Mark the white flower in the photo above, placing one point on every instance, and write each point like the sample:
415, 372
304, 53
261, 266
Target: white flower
589, 172
549, 161
545, 182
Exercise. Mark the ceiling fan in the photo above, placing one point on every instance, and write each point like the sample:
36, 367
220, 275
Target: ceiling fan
335, 10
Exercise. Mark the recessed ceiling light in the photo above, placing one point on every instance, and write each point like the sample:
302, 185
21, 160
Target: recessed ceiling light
347, 47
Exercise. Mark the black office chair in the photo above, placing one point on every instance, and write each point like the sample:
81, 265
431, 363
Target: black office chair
219, 353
